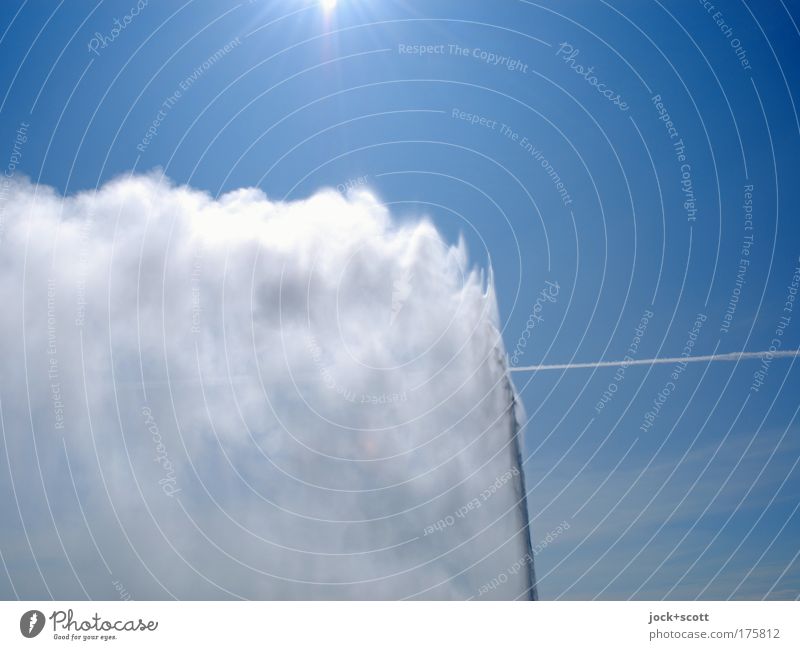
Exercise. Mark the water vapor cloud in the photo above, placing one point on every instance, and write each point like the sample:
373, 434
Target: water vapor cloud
242, 397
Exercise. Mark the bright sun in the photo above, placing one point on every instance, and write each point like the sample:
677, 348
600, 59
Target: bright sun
328, 5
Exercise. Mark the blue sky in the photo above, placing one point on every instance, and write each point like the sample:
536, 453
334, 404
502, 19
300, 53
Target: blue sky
701, 504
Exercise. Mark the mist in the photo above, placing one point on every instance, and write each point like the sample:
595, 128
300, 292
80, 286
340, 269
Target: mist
240, 397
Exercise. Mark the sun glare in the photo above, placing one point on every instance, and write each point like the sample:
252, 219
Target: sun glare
329, 5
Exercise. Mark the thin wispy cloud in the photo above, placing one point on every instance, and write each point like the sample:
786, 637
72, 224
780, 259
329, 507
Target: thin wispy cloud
706, 358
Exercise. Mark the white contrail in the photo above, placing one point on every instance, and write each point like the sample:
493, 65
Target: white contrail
728, 356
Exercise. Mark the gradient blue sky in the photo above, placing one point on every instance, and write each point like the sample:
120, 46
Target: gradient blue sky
702, 504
